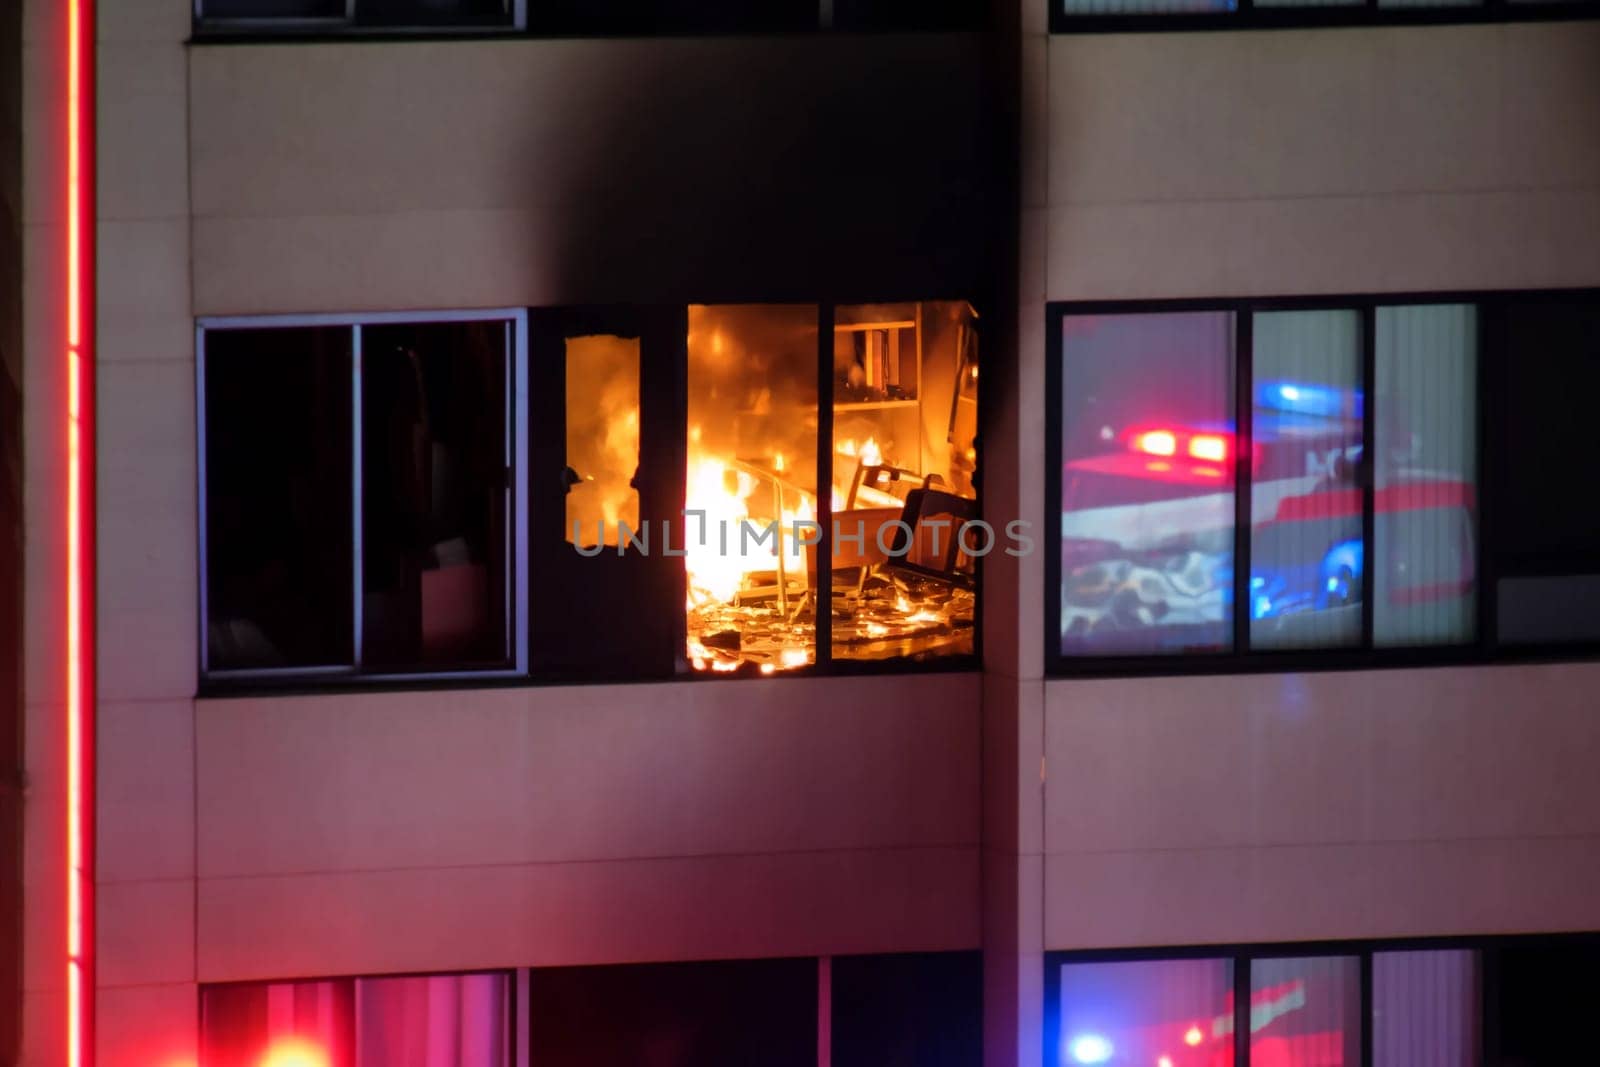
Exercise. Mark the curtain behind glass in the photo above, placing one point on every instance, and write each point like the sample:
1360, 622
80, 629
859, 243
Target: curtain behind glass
1426, 475
1305, 504
1425, 1009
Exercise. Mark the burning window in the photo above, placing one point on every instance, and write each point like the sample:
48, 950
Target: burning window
897, 574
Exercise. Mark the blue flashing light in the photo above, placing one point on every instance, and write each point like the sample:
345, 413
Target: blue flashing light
1257, 582
1333, 584
1302, 398
1091, 1048
1263, 607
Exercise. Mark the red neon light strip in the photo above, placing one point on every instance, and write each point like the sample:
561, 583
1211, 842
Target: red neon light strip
80, 535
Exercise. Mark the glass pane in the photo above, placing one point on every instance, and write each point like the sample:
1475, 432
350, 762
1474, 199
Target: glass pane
1425, 1009
602, 439
1305, 1012
1161, 1013
436, 495
273, 9
1306, 500
754, 1013
752, 487
428, 1021
1147, 483
1426, 475
1542, 1003
905, 409
1546, 517
434, 1021
911, 1010
433, 12
1145, 7
278, 519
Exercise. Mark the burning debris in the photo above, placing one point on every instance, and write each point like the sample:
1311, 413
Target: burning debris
905, 425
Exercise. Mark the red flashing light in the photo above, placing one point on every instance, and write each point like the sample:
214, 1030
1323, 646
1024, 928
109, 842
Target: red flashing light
1213, 448
1156, 443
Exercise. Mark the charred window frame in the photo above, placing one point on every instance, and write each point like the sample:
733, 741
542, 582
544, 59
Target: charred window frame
1128, 16
1501, 340
352, 369
731, 599
1502, 997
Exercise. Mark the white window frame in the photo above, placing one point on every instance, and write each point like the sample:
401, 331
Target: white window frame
516, 602
347, 22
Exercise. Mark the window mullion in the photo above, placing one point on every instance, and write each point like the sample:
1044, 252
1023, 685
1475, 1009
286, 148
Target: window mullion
356, 517
823, 598
1243, 373
1241, 1011
1369, 468
1366, 1008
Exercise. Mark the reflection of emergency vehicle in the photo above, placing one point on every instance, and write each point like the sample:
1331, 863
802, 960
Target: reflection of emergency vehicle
1296, 1023
1147, 529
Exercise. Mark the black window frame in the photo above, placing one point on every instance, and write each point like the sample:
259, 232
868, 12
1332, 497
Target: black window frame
1249, 15
1487, 947
530, 324
1493, 362
535, 19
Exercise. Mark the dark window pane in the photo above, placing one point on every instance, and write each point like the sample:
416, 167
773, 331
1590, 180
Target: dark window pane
273, 9
673, 16
917, 1010
1542, 503
905, 421
1305, 1012
1542, 1004
1145, 7
907, 14
433, 12
752, 475
1426, 469
436, 495
278, 497
1147, 483
1306, 500
756, 1013
426, 1021
1546, 514
1161, 1013
1425, 1009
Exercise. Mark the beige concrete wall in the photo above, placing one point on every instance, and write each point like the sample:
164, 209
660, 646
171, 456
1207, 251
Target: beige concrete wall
147, 998
347, 177
579, 825
1182, 811
1292, 162
1348, 804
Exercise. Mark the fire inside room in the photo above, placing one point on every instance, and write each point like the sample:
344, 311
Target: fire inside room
904, 422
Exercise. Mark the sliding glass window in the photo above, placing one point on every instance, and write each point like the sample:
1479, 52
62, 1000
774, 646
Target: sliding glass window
361, 512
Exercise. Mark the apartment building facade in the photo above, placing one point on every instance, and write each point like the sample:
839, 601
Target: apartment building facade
433, 643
